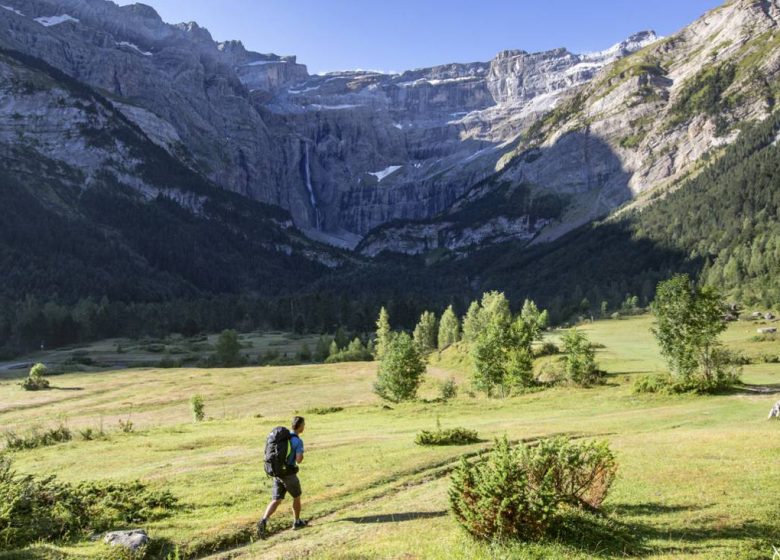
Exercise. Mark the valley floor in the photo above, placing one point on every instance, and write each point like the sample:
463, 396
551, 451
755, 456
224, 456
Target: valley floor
699, 476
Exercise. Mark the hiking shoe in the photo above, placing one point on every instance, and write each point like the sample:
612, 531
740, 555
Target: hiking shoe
261, 532
299, 524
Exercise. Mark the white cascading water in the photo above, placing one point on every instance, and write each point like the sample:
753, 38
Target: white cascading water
312, 198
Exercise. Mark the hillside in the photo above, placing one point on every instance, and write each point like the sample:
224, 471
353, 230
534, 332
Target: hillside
697, 475
163, 182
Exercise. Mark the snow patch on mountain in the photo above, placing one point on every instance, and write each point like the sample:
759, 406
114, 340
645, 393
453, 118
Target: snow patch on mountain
10, 9
385, 172
49, 21
134, 47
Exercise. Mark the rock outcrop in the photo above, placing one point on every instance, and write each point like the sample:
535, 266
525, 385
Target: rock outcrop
131, 540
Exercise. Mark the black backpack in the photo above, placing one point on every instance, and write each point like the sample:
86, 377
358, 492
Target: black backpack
277, 449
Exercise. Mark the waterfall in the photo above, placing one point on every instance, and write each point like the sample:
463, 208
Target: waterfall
307, 176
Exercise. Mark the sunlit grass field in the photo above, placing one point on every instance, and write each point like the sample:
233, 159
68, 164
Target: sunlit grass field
698, 476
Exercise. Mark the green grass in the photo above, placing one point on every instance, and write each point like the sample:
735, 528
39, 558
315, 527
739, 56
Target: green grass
148, 352
698, 476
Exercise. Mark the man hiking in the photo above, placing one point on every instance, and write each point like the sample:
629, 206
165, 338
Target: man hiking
285, 475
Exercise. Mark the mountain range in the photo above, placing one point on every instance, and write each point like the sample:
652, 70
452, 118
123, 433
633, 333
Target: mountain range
145, 161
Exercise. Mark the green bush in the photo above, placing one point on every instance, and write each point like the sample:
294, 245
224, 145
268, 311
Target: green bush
44, 509
579, 360
450, 436
517, 492
35, 380
37, 438
198, 408
547, 349
89, 434
126, 426
355, 351
324, 409
726, 376
448, 389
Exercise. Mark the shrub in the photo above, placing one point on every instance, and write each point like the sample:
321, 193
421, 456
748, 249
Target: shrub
126, 426
37, 438
449, 436
495, 498
581, 472
325, 410
198, 408
517, 492
547, 349
35, 380
89, 434
42, 508
356, 351
579, 359
448, 389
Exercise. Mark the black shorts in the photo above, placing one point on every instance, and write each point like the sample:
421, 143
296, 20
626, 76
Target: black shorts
282, 486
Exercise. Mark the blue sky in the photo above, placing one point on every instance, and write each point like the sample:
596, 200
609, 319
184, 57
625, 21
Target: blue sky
395, 35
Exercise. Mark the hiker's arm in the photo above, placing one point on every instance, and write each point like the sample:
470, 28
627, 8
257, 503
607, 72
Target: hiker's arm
299, 458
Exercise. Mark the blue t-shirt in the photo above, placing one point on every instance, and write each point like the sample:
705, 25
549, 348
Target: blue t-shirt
296, 448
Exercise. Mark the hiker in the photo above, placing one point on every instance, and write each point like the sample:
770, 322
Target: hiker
283, 452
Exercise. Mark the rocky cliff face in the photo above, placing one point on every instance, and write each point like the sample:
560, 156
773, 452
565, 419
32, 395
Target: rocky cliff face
363, 156
636, 126
319, 146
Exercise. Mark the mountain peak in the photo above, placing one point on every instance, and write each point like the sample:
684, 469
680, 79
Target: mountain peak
142, 10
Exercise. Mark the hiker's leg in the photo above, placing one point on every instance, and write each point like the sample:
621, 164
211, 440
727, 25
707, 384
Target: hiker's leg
269, 511
297, 508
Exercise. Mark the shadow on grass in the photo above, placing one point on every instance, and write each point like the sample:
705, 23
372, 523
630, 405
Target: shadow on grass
609, 536
746, 389
395, 517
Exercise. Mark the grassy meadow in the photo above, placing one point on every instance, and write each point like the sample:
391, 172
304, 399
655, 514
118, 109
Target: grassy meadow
698, 476
176, 350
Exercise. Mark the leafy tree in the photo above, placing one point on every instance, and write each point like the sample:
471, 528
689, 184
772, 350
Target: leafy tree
341, 338
354, 352
425, 333
383, 333
471, 324
449, 328
305, 354
688, 323
501, 351
334, 349
579, 359
400, 370
322, 350
604, 308
228, 349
